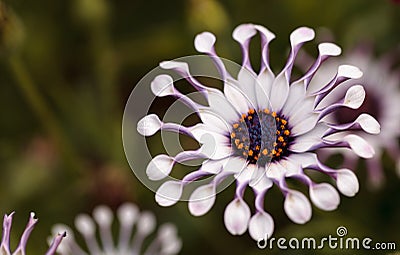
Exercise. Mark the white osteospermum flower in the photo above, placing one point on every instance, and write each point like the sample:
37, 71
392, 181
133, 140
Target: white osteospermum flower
262, 129
20, 250
166, 241
382, 102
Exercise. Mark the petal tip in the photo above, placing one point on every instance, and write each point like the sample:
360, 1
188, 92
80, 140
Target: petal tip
204, 42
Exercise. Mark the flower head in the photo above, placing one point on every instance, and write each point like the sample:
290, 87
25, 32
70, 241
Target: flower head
166, 242
382, 102
262, 129
5, 241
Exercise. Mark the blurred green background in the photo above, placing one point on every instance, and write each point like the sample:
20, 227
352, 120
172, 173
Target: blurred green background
68, 67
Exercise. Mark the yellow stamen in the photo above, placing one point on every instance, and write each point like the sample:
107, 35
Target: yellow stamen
265, 152
286, 132
233, 135
280, 139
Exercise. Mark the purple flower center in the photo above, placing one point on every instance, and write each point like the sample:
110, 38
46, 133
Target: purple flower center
261, 137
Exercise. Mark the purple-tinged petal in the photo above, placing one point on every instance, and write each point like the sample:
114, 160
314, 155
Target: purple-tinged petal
262, 90
162, 85
183, 69
55, 243
324, 196
261, 226
266, 37
236, 97
296, 99
325, 51
279, 92
204, 42
149, 125
220, 105
359, 146
237, 216
246, 82
344, 73
169, 193
347, 182
160, 167
369, 124
297, 38
242, 34
353, 99
260, 182
275, 171
211, 119
306, 141
365, 122
5, 242
234, 165
297, 207
25, 235
202, 199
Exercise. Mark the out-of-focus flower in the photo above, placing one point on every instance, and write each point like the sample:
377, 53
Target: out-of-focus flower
382, 86
262, 129
166, 241
20, 250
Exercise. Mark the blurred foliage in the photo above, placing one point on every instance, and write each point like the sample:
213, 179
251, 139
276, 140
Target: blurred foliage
66, 71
